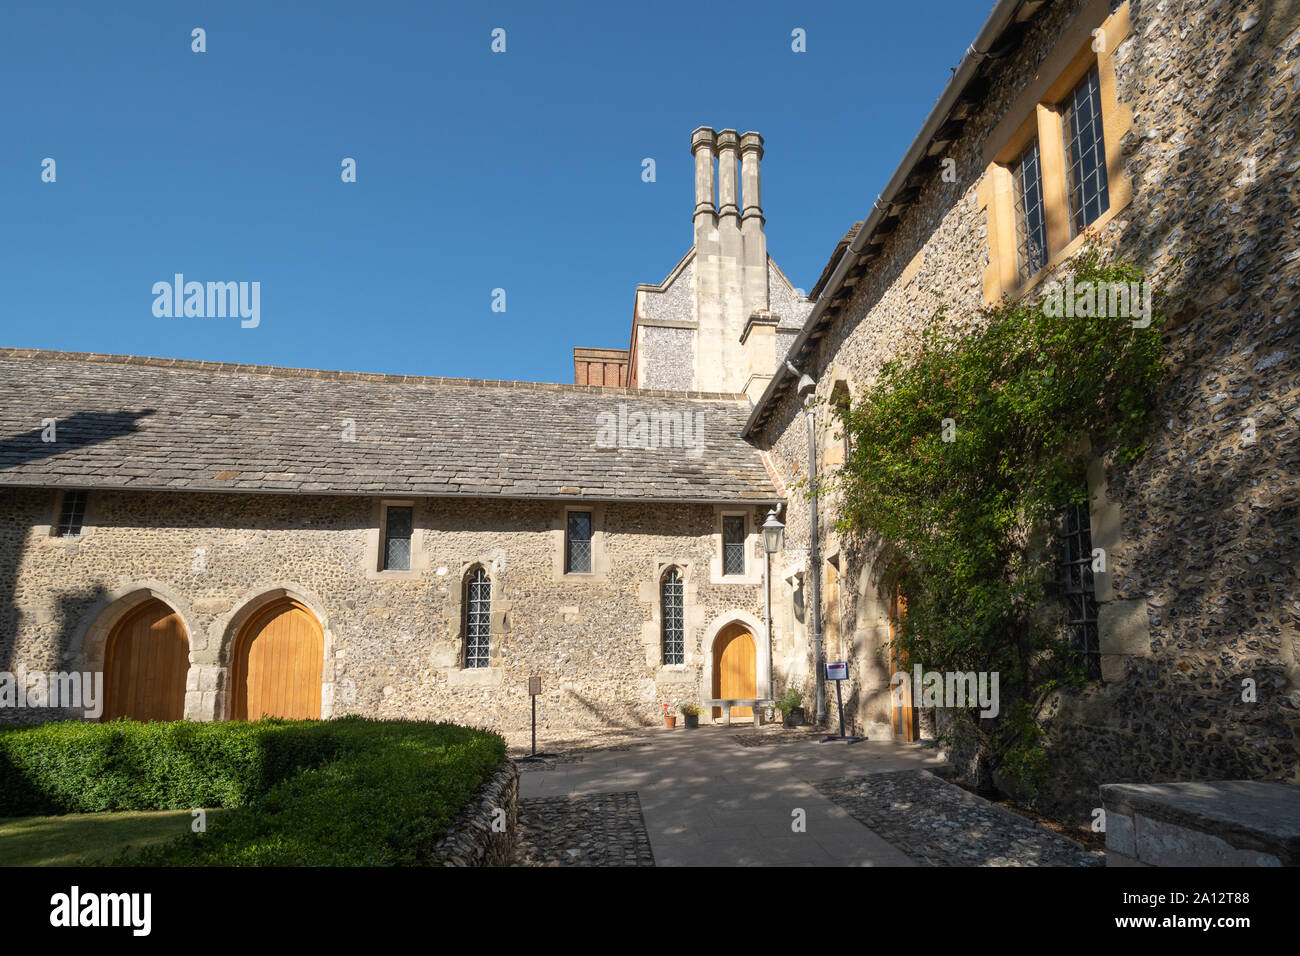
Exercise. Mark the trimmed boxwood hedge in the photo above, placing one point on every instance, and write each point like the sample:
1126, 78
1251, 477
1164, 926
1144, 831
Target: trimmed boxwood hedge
343, 792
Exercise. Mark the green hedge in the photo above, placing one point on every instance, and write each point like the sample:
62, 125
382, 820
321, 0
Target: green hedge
343, 792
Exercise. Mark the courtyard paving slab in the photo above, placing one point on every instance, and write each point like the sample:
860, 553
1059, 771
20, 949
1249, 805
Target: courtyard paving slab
707, 800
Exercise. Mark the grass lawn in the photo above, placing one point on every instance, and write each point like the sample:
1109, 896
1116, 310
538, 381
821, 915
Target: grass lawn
72, 838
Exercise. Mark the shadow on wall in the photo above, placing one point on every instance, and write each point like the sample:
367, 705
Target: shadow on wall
79, 430
629, 719
69, 614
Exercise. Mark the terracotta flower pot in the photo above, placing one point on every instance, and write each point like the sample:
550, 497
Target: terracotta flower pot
670, 720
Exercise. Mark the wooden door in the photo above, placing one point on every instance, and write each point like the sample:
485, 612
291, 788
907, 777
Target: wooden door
146, 662
277, 665
902, 706
735, 672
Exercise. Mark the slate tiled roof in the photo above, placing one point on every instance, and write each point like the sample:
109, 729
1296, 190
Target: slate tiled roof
150, 423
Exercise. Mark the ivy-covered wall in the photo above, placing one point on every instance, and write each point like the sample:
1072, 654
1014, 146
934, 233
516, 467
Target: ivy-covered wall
1200, 606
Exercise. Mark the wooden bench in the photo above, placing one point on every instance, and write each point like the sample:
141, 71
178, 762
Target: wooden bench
757, 703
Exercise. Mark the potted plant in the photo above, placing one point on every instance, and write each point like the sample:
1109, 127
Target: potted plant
791, 707
692, 714
670, 720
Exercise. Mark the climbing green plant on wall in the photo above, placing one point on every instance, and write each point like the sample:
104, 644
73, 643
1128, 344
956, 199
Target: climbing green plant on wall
962, 456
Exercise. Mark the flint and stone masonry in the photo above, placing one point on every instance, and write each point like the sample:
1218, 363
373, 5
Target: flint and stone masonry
1200, 601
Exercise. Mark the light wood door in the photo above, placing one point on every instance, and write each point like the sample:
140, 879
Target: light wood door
734, 673
902, 706
277, 666
145, 665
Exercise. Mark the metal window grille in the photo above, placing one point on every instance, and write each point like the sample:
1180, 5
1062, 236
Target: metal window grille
397, 539
577, 545
733, 544
1079, 589
674, 632
1031, 226
72, 511
1085, 154
478, 619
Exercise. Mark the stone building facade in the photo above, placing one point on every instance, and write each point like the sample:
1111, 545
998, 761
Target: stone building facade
186, 471
1200, 110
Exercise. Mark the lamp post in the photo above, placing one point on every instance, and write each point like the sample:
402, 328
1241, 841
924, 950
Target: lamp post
773, 536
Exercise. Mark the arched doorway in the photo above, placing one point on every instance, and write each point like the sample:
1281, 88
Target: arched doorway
735, 669
277, 662
902, 707
146, 662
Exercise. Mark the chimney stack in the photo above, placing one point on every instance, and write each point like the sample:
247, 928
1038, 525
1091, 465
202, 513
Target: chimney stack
706, 213
751, 225
728, 195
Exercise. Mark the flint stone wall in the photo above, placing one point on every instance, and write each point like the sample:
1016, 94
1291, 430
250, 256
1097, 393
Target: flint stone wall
1206, 536
393, 642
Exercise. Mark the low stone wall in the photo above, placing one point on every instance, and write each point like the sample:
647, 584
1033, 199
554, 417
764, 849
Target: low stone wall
486, 831
1220, 823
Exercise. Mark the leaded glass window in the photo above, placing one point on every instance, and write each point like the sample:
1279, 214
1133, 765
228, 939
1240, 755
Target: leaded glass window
674, 635
733, 544
577, 543
72, 512
478, 619
1031, 226
1085, 154
1079, 589
397, 538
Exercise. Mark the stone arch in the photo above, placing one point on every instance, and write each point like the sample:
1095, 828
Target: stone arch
225, 631
762, 651
87, 651
467, 576
89, 641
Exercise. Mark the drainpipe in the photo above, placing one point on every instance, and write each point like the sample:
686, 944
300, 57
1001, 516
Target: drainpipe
767, 611
807, 388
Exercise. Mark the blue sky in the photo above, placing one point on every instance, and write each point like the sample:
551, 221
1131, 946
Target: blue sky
475, 170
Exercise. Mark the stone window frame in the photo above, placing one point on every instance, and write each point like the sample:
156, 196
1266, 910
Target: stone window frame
374, 553
662, 580
459, 675
45, 535
599, 572
835, 441
494, 643
753, 546
672, 675
1037, 114
1123, 625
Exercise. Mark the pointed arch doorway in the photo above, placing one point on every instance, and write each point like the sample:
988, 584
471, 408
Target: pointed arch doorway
277, 664
735, 667
146, 663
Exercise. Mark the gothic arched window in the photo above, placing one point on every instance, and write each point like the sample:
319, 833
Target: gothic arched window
674, 633
478, 618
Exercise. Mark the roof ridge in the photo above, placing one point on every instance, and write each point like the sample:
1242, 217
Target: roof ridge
284, 371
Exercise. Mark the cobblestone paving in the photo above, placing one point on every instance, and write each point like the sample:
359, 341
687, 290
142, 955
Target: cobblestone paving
603, 829
939, 824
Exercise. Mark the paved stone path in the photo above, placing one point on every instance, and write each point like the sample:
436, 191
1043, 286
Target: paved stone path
707, 800
940, 824
721, 796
